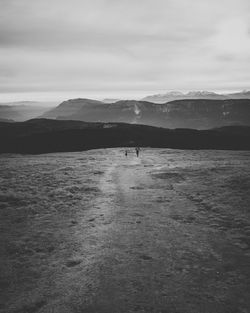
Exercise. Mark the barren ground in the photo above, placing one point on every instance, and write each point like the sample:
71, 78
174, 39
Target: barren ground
98, 232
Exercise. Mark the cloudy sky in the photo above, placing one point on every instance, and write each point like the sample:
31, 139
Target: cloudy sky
57, 49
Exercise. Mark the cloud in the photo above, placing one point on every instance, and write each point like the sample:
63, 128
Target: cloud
232, 38
124, 47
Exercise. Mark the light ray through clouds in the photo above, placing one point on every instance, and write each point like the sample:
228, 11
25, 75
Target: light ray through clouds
122, 48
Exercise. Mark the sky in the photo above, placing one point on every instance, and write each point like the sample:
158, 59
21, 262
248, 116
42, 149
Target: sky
60, 49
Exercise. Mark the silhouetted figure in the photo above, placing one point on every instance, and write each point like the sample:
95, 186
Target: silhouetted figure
126, 153
137, 151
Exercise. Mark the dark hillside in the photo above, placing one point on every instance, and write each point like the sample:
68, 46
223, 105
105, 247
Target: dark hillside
42, 136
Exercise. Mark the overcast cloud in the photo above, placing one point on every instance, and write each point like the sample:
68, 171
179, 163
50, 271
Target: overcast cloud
53, 49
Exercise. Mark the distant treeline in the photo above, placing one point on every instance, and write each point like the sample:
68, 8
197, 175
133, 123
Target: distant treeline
43, 136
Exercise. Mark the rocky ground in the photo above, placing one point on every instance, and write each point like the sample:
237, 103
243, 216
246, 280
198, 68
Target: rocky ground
98, 232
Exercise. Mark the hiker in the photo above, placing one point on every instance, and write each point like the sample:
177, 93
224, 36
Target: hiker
126, 153
137, 150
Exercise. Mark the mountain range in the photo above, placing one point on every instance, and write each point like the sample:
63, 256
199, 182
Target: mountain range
195, 112
187, 113
177, 95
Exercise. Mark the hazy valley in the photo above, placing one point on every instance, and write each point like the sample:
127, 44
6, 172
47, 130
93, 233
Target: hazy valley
20, 111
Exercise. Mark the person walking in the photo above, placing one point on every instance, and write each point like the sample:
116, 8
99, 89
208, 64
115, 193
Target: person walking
137, 151
126, 153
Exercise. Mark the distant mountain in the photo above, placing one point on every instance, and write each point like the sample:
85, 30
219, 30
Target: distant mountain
43, 136
24, 110
88, 110
176, 95
70, 108
107, 100
195, 113
240, 95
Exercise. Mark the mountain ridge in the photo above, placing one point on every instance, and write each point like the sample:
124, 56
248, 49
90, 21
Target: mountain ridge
177, 95
187, 113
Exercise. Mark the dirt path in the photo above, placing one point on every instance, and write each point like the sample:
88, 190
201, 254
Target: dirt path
155, 256
162, 233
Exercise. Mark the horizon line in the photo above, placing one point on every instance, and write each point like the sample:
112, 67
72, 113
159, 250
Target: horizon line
58, 96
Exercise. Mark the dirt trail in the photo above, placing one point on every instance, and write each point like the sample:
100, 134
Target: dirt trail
156, 257
167, 232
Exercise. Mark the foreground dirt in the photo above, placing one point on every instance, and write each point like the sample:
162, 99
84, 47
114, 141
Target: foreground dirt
98, 232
